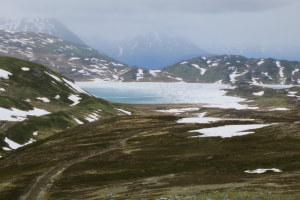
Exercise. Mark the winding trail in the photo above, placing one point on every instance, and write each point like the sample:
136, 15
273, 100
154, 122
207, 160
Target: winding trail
43, 183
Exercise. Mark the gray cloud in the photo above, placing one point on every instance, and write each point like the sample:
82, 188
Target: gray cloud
209, 23
71, 7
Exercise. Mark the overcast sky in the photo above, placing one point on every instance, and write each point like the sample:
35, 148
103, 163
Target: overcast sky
208, 23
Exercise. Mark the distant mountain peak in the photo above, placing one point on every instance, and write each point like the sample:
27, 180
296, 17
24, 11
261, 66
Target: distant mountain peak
151, 50
50, 26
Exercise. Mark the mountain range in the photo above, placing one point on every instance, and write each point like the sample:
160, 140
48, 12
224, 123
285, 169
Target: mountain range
151, 50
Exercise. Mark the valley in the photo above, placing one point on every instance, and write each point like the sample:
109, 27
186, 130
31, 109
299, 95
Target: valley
85, 114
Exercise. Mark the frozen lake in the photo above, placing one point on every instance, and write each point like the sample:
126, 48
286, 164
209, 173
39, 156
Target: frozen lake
162, 93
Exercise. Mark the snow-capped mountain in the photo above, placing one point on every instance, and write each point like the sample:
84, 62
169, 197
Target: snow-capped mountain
48, 26
151, 50
75, 61
235, 69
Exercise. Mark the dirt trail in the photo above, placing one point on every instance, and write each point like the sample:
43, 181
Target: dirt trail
38, 191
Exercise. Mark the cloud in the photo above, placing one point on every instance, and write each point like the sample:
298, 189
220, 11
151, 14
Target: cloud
130, 7
209, 23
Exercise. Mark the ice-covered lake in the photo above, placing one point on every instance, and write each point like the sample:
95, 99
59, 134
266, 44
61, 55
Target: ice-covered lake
162, 93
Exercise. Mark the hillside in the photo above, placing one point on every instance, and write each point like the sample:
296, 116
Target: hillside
36, 102
233, 69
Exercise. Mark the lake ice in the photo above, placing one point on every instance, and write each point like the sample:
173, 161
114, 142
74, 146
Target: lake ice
163, 93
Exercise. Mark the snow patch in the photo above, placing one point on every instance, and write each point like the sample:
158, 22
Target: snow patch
228, 130
19, 115
179, 110
281, 74
14, 145
75, 98
140, 74
54, 77
124, 111
201, 119
92, 117
260, 62
74, 87
154, 72
202, 70
78, 121
4, 74
261, 171
25, 69
43, 99
279, 109
259, 93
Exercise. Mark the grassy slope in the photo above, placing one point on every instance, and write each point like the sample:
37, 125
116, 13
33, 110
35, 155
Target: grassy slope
23, 85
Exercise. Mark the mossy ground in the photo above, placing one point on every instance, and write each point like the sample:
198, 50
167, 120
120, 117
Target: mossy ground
159, 161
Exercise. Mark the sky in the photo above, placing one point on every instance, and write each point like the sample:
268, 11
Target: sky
212, 24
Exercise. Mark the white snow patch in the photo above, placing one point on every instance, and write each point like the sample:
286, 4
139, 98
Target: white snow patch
182, 63
260, 62
295, 71
19, 115
54, 77
14, 145
202, 70
43, 99
201, 119
179, 110
57, 97
124, 111
139, 74
219, 82
259, 93
154, 72
261, 171
92, 117
228, 130
4, 74
25, 69
74, 87
35, 133
75, 98
236, 74
2, 90
74, 58
78, 121
281, 74
292, 93
279, 109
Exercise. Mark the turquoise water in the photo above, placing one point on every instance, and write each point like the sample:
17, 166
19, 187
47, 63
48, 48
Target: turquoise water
159, 93
125, 96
